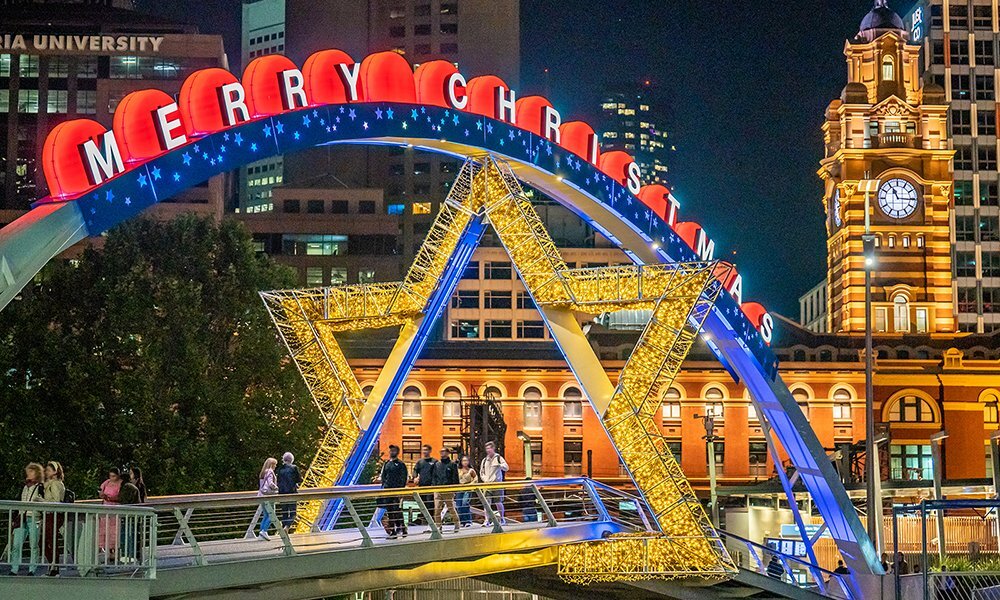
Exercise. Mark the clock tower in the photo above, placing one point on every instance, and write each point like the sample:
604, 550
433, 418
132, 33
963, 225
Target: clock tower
887, 141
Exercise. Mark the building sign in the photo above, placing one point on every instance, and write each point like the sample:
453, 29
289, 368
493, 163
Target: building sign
82, 154
796, 548
916, 23
69, 43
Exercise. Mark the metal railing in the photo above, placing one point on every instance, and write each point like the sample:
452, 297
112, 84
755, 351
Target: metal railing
787, 568
85, 540
194, 531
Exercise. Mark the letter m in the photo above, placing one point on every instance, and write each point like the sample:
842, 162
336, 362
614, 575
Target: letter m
104, 161
705, 248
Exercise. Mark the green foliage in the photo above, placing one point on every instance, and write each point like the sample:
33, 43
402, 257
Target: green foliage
154, 351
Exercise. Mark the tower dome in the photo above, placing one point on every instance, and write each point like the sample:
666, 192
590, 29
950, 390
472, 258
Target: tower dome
879, 20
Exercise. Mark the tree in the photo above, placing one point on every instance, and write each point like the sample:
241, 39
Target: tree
154, 351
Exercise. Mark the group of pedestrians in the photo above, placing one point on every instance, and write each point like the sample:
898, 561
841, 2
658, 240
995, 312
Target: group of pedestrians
278, 480
47, 532
428, 472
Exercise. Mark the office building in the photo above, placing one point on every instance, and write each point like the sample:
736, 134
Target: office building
57, 64
635, 120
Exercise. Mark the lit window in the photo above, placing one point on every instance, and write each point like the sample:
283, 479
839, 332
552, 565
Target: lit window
672, 404
841, 405
421, 208
572, 403
991, 415
881, 318
532, 407
911, 409
911, 462
888, 70
901, 313
713, 404
921, 320
314, 276
366, 276
411, 403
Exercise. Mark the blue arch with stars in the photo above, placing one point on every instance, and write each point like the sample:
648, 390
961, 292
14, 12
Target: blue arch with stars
604, 203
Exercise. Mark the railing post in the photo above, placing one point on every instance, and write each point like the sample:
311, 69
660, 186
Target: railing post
488, 510
435, 532
545, 505
366, 540
286, 542
182, 525
151, 551
602, 510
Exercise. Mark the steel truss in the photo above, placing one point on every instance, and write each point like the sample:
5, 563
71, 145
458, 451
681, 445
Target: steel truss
679, 297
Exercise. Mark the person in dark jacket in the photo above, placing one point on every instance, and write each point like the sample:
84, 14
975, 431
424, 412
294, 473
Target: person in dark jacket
774, 568
423, 473
393, 477
128, 526
289, 479
445, 472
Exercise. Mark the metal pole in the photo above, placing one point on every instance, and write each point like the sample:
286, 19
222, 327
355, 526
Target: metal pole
923, 545
895, 549
710, 444
936, 440
872, 474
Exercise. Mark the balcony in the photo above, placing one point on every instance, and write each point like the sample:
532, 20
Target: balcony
895, 139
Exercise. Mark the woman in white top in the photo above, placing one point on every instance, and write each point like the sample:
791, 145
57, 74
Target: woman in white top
268, 487
27, 522
492, 470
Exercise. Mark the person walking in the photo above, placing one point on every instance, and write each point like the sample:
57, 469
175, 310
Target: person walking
774, 567
129, 494
107, 525
289, 479
466, 476
393, 476
423, 474
492, 470
268, 486
445, 473
25, 523
55, 491
139, 482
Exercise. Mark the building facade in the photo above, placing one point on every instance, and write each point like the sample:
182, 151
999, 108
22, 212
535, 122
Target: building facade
635, 120
959, 54
887, 164
67, 60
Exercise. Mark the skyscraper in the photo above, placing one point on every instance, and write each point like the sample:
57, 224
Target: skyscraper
635, 120
959, 54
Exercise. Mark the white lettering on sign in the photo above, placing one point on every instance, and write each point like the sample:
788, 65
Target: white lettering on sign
505, 106
704, 247
168, 121
293, 94
349, 76
233, 98
81, 43
633, 179
102, 163
455, 81
766, 327
550, 124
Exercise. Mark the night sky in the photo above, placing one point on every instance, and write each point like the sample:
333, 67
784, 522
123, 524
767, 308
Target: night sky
747, 84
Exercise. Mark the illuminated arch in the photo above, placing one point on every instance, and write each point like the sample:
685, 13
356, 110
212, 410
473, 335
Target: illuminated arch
808, 389
846, 387
386, 105
420, 387
492, 383
722, 389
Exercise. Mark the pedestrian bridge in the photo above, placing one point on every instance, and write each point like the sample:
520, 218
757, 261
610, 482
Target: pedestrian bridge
206, 546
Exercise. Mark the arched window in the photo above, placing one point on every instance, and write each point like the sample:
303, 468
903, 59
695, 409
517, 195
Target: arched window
492, 392
532, 407
411, 402
799, 355
367, 390
911, 409
991, 416
802, 399
572, 403
713, 402
901, 313
452, 402
841, 405
672, 404
888, 68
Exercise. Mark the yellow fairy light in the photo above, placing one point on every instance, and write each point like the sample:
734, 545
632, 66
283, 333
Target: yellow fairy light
679, 297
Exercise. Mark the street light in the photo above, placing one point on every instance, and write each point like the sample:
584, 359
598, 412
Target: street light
873, 476
937, 440
526, 440
709, 437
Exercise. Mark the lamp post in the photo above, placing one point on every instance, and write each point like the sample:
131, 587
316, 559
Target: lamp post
937, 440
709, 422
873, 473
526, 441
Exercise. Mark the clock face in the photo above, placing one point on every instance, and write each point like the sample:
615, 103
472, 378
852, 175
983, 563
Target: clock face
897, 198
836, 208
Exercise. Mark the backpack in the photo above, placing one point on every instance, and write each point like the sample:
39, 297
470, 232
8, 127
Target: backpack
69, 497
